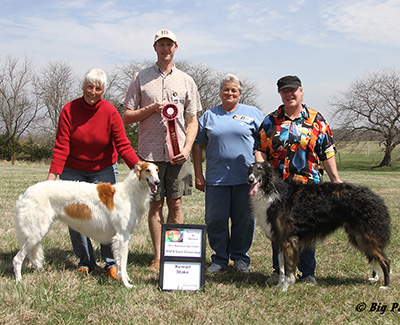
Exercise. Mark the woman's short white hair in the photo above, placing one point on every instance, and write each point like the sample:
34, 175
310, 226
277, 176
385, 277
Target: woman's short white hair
231, 78
97, 77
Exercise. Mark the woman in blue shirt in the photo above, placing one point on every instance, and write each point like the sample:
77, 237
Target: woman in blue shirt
228, 131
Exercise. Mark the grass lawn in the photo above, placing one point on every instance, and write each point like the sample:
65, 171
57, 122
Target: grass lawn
59, 295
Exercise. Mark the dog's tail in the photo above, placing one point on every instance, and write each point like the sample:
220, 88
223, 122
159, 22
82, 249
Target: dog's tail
368, 229
369, 241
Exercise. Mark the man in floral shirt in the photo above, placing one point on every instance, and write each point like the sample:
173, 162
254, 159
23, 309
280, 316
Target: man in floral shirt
295, 139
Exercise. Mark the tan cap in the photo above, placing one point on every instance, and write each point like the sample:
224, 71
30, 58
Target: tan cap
165, 33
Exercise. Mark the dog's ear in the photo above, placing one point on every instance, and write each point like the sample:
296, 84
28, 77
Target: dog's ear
138, 169
267, 165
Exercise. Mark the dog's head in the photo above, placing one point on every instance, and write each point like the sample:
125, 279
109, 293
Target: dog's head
148, 172
260, 174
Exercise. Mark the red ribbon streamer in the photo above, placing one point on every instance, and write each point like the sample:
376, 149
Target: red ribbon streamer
170, 112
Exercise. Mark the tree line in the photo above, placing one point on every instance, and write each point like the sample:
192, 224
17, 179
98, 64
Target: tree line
31, 101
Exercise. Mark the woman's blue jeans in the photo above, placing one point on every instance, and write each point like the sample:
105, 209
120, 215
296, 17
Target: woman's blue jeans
81, 244
224, 203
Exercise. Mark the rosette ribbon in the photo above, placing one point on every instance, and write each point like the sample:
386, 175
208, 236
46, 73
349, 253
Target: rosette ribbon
170, 112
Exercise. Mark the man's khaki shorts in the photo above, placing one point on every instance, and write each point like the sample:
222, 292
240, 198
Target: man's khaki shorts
175, 180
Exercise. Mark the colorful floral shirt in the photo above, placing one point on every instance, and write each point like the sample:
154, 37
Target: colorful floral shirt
296, 147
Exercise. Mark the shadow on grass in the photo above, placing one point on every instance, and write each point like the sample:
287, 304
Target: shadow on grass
62, 259
341, 281
56, 258
256, 279
140, 259
6, 268
59, 259
229, 276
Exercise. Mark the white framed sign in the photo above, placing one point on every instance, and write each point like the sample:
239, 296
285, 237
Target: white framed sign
182, 264
182, 276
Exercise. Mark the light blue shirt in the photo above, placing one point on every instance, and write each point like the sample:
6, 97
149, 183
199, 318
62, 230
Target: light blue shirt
230, 141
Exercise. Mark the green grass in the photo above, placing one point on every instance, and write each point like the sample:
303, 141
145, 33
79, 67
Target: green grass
58, 295
364, 156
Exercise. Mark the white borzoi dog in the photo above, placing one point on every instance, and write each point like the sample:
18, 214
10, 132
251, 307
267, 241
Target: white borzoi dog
107, 213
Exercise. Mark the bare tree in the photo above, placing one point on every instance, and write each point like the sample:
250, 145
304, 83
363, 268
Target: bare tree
120, 78
18, 108
371, 104
55, 86
208, 84
206, 79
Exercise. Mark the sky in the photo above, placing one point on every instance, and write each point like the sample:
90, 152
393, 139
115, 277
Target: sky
328, 44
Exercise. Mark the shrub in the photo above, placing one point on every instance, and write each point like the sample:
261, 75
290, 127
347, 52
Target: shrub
36, 152
9, 147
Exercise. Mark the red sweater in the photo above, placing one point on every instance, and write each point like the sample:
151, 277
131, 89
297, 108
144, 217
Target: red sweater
89, 138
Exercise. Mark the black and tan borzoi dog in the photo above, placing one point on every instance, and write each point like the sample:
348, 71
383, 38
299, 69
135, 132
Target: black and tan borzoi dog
296, 215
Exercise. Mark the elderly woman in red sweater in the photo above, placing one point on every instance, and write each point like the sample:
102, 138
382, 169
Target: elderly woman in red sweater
89, 137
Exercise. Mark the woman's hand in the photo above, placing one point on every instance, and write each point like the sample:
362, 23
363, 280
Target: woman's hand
200, 182
51, 177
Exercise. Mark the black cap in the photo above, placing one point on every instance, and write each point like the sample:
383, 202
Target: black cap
288, 82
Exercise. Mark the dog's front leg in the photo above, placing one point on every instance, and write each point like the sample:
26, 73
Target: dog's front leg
284, 281
120, 251
281, 260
